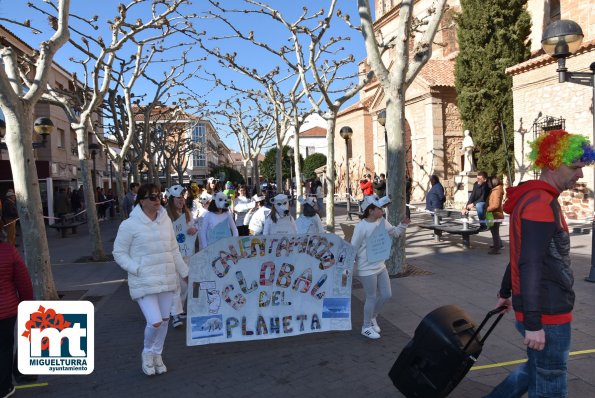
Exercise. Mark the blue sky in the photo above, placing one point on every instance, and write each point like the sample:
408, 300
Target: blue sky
264, 30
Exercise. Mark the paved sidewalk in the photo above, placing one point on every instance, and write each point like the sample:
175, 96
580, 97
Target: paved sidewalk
333, 364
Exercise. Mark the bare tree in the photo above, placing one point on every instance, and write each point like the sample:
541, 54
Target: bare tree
317, 65
17, 104
97, 65
247, 120
394, 83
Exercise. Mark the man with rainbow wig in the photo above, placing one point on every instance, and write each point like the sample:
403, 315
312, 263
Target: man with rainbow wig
538, 281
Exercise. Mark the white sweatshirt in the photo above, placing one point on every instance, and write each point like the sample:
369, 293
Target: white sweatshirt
362, 232
285, 225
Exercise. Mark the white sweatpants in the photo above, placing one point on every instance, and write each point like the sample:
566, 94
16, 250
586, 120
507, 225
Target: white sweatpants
378, 291
155, 308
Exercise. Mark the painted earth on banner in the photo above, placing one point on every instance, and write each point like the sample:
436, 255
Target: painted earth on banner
266, 287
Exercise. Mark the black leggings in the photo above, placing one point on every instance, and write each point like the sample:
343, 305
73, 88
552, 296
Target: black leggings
6, 350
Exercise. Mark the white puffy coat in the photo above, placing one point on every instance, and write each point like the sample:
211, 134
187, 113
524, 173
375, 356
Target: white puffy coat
148, 251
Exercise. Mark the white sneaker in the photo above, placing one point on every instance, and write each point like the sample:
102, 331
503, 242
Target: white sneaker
159, 365
176, 321
148, 365
375, 325
370, 333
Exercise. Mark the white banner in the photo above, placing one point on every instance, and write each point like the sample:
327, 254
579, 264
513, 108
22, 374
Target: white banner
265, 287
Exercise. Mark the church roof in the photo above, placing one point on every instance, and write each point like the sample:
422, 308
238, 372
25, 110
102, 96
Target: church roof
438, 72
314, 132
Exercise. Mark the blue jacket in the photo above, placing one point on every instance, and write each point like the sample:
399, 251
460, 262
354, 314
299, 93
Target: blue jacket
435, 198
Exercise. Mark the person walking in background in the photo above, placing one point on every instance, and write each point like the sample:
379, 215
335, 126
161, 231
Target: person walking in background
318, 192
408, 189
308, 222
146, 248
370, 269
241, 206
495, 207
10, 215
15, 286
538, 281
435, 198
130, 198
478, 198
365, 185
380, 185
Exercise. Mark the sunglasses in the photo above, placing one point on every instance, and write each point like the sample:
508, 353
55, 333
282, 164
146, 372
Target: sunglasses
154, 197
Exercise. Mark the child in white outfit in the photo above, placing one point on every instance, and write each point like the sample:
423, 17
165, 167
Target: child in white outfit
309, 221
370, 268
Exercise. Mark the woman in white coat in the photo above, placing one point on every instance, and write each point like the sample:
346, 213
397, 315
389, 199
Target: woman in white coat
146, 248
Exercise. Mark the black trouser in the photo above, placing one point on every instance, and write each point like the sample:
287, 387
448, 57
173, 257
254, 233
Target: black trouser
243, 230
6, 350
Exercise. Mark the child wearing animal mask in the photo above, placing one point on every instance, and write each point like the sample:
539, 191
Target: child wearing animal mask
256, 217
279, 221
211, 229
370, 268
309, 221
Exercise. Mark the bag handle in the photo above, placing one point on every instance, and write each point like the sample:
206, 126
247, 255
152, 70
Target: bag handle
500, 311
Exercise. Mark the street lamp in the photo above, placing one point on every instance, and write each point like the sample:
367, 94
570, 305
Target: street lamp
346, 133
382, 121
561, 39
42, 126
93, 147
290, 154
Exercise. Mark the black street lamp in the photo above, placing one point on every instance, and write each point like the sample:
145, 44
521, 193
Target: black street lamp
42, 126
290, 154
346, 133
560, 40
93, 147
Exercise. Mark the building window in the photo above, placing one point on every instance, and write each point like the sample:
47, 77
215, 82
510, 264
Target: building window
60, 138
199, 133
199, 158
310, 150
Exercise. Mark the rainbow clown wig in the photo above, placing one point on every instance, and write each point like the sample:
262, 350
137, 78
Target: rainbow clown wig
559, 147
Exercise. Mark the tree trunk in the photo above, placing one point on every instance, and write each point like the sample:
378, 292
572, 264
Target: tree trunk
330, 174
395, 125
297, 171
97, 250
26, 186
120, 189
279, 168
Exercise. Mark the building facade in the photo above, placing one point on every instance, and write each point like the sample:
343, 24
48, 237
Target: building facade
58, 165
541, 103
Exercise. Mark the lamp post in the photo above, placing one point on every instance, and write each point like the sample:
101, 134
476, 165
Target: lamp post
93, 147
382, 121
346, 133
42, 126
560, 40
290, 154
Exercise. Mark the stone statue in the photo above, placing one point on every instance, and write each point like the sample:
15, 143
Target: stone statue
468, 151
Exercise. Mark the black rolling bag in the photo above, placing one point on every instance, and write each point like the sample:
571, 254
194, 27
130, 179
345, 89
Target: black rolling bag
444, 347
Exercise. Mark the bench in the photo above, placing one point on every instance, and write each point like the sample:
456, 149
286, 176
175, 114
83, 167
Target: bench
62, 227
452, 228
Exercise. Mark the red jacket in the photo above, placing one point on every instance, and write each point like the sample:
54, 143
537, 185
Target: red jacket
538, 276
15, 283
367, 188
